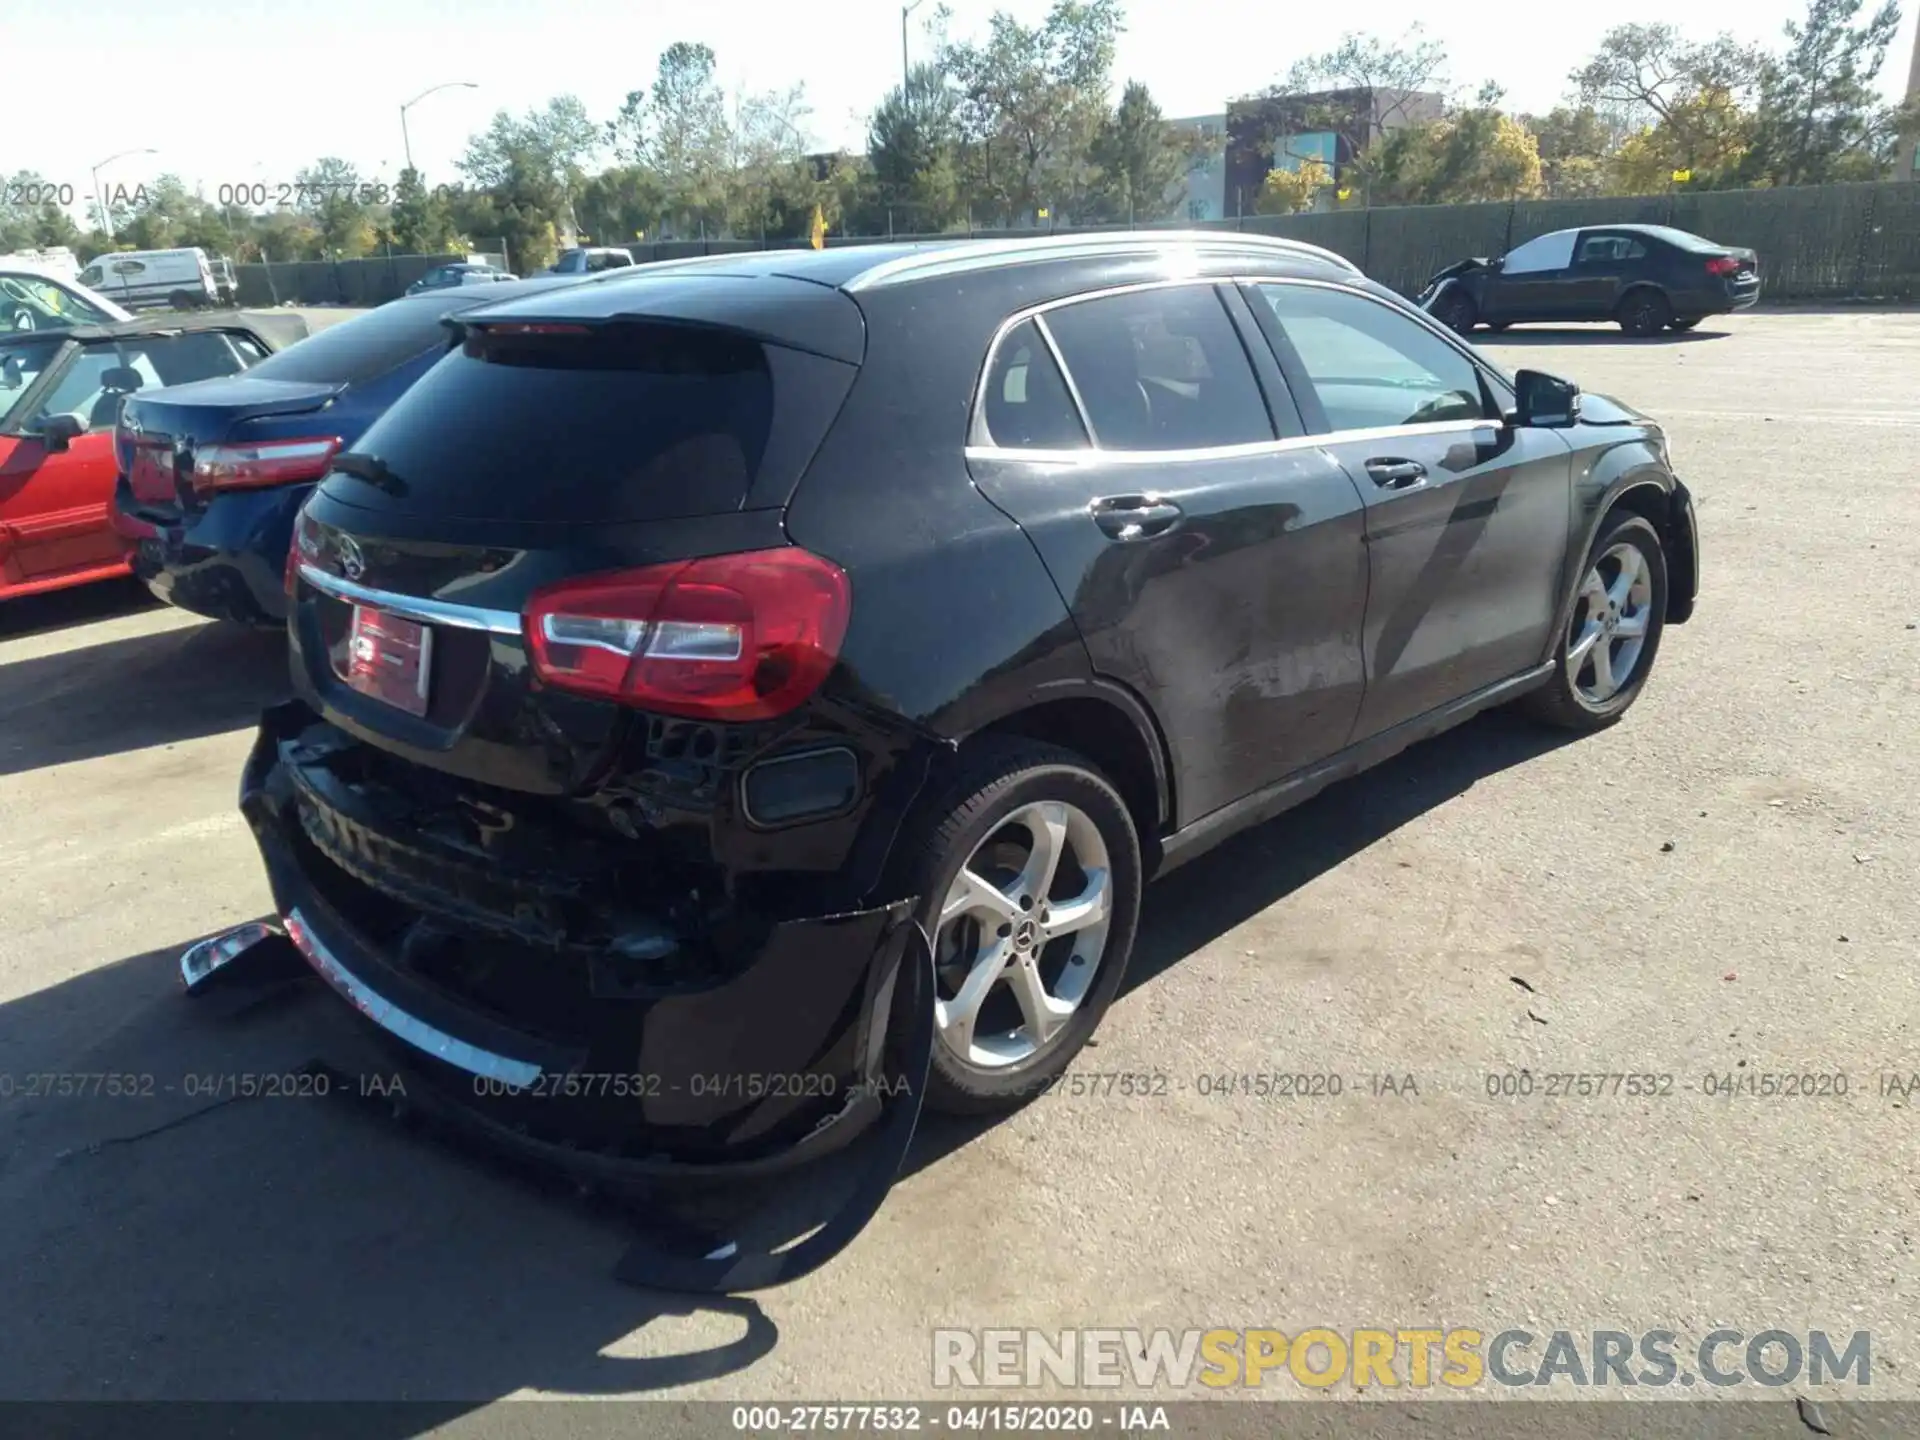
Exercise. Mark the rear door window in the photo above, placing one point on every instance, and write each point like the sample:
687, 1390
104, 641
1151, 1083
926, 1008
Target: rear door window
1609, 250
629, 421
1026, 404
1161, 369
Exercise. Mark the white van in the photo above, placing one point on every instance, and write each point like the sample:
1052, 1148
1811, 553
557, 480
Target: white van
145, 279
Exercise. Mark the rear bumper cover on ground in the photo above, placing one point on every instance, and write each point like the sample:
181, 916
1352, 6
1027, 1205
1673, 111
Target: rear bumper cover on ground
770, 1069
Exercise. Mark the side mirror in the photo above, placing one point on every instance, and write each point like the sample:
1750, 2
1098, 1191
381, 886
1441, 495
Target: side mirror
1498, 263
58, 432
1545, 401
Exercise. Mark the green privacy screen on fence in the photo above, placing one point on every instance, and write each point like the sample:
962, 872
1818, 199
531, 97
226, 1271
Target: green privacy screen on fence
1818, 242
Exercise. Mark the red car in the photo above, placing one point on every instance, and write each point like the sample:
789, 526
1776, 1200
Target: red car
60, 395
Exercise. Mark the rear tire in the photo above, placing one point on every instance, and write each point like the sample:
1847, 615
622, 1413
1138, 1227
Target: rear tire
1687, 324
1644, 312
1608, 649
1001, 962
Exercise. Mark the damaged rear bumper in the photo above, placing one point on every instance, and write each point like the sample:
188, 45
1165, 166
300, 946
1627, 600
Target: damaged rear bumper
775, 1060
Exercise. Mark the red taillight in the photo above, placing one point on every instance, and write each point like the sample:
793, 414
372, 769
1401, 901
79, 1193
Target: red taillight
267, 462
1723, 265
729, 637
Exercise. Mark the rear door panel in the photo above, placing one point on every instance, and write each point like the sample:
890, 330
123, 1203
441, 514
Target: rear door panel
1236, 612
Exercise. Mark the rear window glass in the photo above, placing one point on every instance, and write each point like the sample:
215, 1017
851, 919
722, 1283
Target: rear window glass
1685, 239
361, 348
631, 422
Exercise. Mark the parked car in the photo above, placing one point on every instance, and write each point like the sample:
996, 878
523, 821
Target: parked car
446, 277
678, 632
60, 398
181, 279
212, 473
591, 260
1648, 278
35, 299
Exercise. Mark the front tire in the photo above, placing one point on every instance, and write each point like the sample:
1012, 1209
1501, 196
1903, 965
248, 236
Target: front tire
1457, 312
1644, 312
1612, 636
1029, 877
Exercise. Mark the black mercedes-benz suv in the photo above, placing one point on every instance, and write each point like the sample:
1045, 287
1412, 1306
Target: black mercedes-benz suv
680, 637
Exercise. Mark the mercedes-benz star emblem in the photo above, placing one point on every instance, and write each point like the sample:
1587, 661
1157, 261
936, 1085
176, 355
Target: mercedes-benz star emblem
352, 563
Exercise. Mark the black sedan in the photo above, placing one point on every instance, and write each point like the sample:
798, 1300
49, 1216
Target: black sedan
1647, 278
684, 645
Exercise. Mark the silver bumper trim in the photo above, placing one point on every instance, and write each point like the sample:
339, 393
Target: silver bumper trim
519, 1074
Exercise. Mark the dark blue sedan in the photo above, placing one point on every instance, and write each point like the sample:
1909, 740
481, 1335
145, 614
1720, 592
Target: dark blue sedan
211, 474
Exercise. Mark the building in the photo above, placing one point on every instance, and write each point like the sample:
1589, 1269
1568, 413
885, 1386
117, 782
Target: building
1201, 194
1334, 127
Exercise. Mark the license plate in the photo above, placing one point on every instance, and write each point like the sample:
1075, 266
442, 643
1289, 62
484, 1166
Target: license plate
390, 659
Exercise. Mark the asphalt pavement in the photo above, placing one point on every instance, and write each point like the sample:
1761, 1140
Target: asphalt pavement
1724, 885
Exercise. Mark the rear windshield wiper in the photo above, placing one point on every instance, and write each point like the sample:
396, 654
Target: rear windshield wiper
372, 469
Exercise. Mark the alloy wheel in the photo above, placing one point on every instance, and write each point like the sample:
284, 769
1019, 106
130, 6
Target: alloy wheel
1021, 934
1611, 618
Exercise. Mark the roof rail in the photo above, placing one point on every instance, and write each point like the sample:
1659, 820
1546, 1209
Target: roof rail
974, 254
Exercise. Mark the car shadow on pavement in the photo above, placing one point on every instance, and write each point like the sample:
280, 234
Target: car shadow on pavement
180, 1243
136, 691
82, 605
185, 1243
1592, 335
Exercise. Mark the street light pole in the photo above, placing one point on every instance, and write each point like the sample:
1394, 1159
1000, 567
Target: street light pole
106, 212
906, 69
406, 142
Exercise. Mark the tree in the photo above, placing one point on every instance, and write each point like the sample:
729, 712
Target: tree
678, 129
1287, 192
1820, 117
1646, 75
31, 216
528, 169
1139, 160
913, 143
331, 192
1575, 145
1476, 153
620, 205
419, 222
1706, 137
1361, 91
1031, 99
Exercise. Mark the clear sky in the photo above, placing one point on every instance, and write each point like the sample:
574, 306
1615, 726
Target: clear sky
242, 91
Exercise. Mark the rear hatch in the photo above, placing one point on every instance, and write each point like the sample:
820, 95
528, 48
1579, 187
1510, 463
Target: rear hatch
575, 455
178, 446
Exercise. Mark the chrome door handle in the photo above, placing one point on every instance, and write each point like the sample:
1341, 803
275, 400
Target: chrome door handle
1396, 474
1135, 517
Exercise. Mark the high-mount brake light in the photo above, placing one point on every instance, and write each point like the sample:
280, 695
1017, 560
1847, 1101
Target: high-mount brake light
745, 636
533, 329
263, 463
